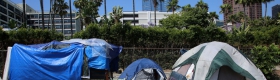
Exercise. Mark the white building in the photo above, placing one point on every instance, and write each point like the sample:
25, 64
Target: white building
144, 17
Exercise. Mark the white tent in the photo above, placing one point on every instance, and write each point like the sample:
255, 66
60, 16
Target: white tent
215, 61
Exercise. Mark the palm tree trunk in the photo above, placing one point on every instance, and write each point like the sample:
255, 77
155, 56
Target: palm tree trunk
53, 16
61, 25
50, 14
70, 5
265, 9
42, 9
155, 16
133, 13
173, 10
105, 10
245, 14
23, 19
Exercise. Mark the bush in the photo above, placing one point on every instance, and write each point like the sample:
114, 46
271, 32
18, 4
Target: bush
266, 58
28, 36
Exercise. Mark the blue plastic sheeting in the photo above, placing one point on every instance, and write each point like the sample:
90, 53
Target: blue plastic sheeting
31, 63
114, 53
96, 57
137, 66
41, 46
100, 54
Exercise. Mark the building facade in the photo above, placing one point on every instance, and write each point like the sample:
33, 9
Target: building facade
35, 20
9, 11
275, 11
147, 5
253, 11
144, 18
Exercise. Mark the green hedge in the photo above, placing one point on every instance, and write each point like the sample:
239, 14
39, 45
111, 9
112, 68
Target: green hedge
155, 37
27, 36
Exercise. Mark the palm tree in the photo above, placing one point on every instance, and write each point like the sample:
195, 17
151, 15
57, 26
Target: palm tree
61, 10
117, 14
226, 9
133, 12
187, 7
202, 5
265, 2
71, 18
213, 16
50, 13
173, 5
88, 10
155, 3
42, 9
54, 9
244, 4
24, 12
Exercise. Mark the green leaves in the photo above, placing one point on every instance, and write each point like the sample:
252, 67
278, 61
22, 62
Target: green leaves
266, 58
12, 24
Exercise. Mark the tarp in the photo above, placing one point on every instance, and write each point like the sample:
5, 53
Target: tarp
209, 57
137, 66
33, 63
100, 54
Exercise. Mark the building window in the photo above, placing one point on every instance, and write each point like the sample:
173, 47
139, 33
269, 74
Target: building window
4, 18
136, 21
3, 3
10, 7
57, 26
11, 14
17, 12
3, 10
129, 15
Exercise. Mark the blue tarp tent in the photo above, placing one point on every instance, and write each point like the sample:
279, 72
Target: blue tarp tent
44, 62
100, 54
143, 69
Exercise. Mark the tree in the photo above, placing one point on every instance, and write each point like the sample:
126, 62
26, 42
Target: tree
173, 5
117, 14
12, 24
213, 16
244, 4
226, 9
61, 10
88, 10
71, 18
42, 9
133, 3
278, 18
24, 12
265, 2
50, 13
186, 8
202, 5
155, 3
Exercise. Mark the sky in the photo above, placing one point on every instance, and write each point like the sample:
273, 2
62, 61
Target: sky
214, 5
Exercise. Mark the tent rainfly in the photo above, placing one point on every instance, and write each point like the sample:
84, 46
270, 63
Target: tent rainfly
215, 61
143, 69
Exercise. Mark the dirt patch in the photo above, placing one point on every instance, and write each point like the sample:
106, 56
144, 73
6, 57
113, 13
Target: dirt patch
277, 72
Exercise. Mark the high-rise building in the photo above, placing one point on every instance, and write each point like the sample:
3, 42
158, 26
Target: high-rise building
9, 11
147, 5
275, 11
253, 11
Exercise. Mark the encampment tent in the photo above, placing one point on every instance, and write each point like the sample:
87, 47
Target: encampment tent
215, 61
50, 61
60, 60
143, 69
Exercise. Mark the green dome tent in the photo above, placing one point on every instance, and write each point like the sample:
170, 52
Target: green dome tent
215, 61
